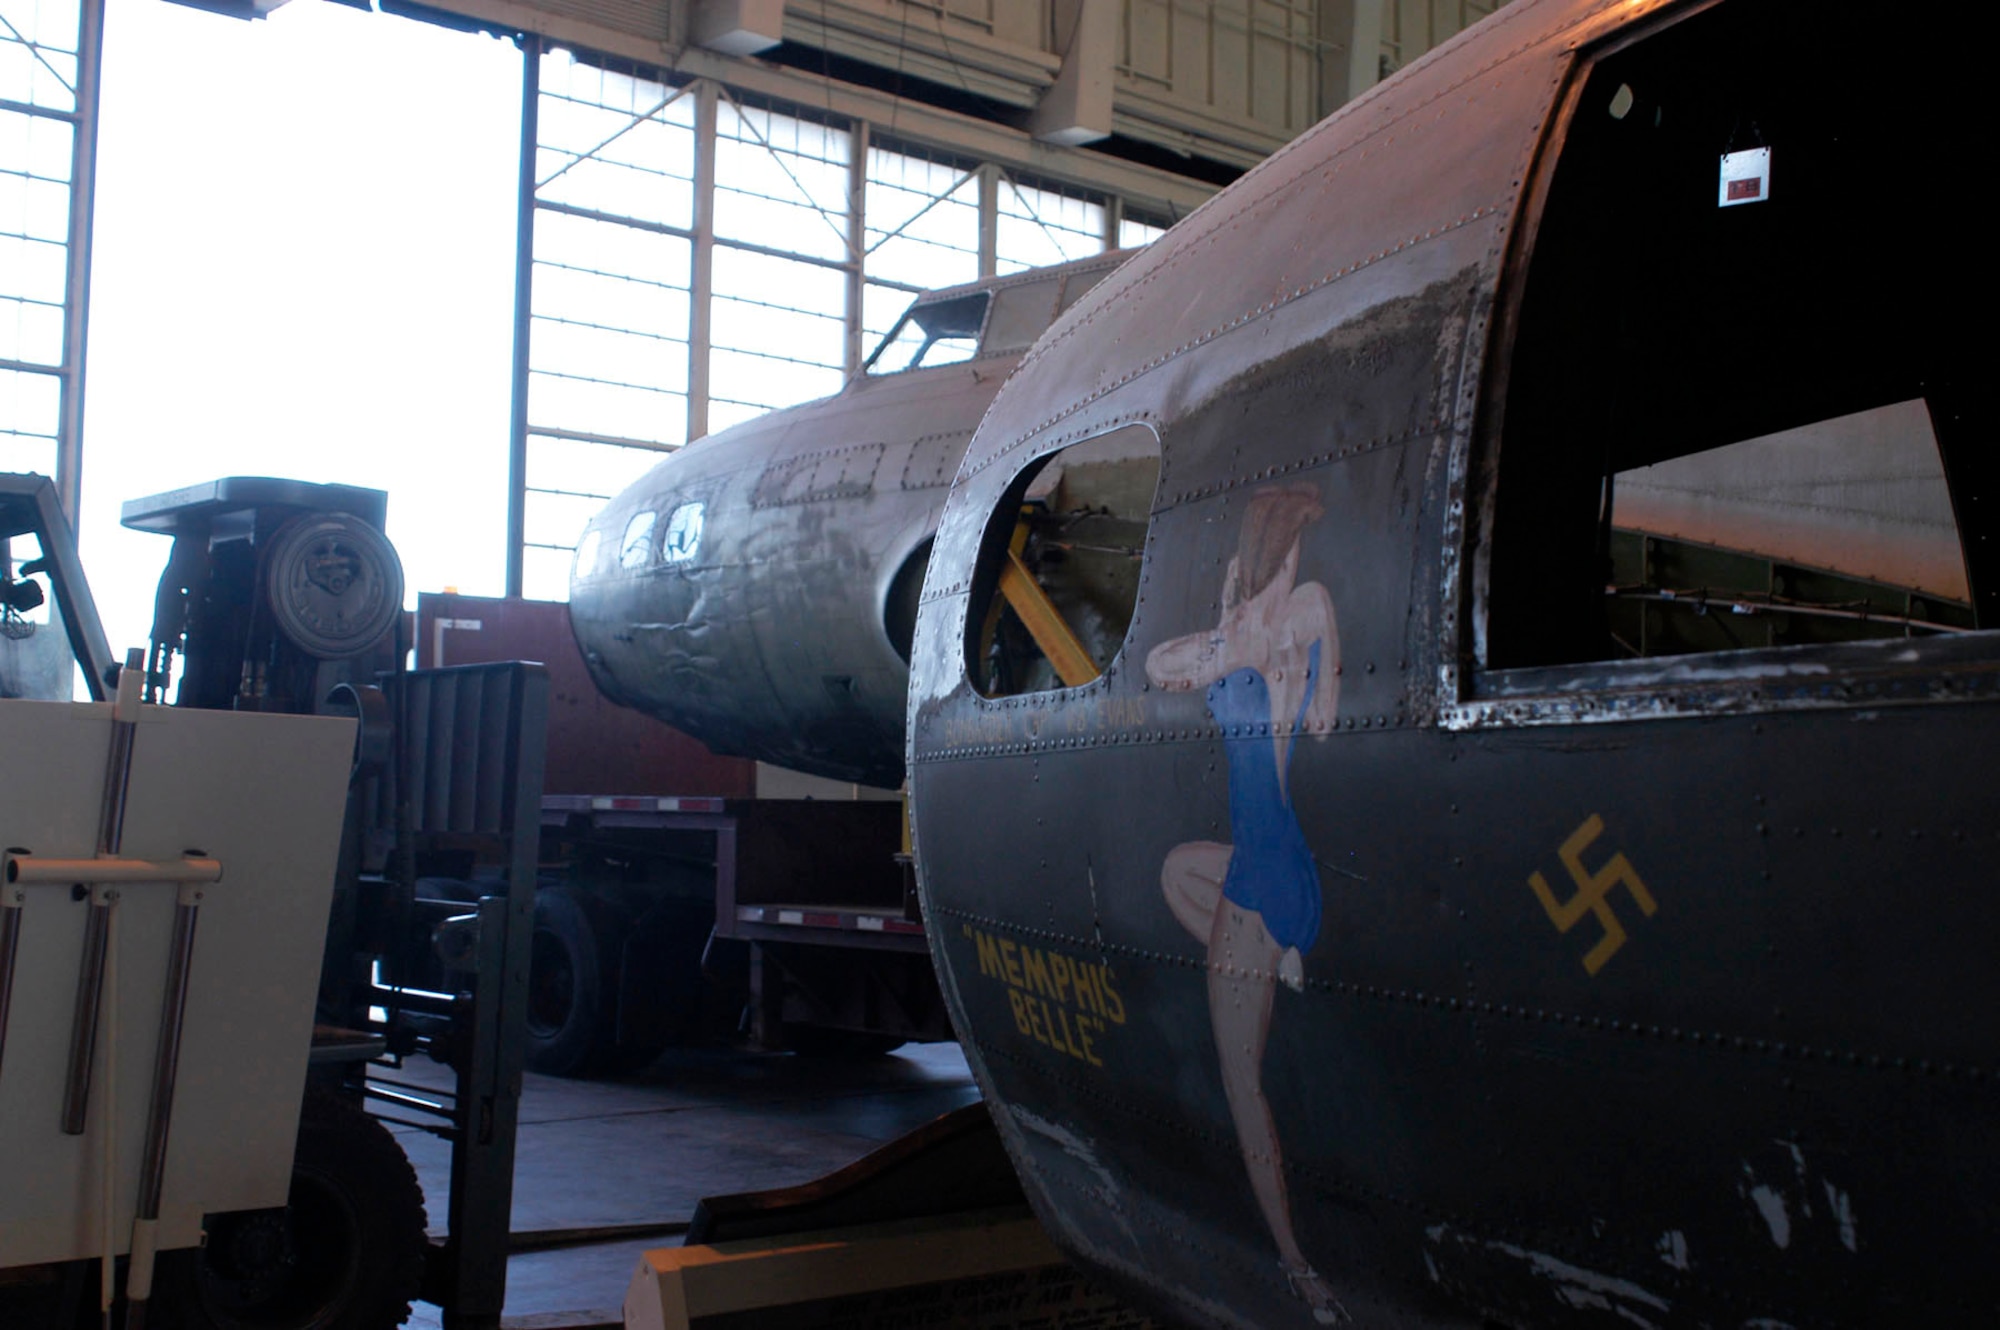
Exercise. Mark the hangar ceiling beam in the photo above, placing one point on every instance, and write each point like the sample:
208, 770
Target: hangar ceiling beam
1077, 108
1351, 58
590, 25
1219, 83
1228, 80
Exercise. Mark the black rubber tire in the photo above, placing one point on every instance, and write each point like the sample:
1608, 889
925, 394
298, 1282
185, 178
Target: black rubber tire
570, 1002
347, 1252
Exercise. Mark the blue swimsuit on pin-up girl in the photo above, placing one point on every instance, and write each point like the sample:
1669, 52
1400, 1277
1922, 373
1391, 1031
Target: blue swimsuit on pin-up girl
1271, 869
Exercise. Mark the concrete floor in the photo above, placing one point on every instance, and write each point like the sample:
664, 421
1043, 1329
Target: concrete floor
645, 1148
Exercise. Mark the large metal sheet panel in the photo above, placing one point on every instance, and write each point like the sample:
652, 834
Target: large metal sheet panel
265, 795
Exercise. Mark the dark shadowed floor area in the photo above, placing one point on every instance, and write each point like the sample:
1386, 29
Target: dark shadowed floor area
645, 1148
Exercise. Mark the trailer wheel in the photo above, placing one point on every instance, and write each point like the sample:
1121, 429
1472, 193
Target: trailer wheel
346, 1252
568, 1011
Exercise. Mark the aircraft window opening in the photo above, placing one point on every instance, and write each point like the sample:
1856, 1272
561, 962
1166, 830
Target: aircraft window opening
1723, 426
1057, 579
938, 332
1021, 314
635, 550
682, 539
899, 608
1077, 283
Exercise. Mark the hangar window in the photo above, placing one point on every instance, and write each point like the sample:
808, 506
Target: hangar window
1040, 222
921, 218
586, 553
1058, 573
635, 550
1734, 414
1136, 229
782, 194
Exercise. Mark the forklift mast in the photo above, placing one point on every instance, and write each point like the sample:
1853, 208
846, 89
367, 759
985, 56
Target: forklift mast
284, 596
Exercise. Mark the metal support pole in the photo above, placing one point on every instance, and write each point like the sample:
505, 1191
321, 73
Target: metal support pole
159, 1116
83, 1025
1350, 50
524, 276
76, 278
989, 219
10, 947
701, 269
97, 930
857, 245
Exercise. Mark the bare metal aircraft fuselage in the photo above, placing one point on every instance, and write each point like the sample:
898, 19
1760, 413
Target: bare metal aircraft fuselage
758, 588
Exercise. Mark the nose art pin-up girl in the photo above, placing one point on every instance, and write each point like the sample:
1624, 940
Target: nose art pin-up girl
1271, 671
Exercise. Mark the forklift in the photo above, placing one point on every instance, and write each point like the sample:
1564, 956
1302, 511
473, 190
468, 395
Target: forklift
283, 600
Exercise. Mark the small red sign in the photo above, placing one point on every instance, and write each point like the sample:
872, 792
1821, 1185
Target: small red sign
1748, 188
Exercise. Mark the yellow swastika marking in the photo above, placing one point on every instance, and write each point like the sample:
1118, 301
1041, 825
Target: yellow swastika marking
1592, 890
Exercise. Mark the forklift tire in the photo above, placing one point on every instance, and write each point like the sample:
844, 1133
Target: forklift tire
570, 1003
346, 1253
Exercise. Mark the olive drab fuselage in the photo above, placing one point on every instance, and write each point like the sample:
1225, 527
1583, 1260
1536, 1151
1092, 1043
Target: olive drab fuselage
1368, 938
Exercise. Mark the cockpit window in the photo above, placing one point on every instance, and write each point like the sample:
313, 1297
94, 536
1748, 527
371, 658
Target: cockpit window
938, 332
1725, 426
1058, 573
636, 549
1079, 282
1021, 314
